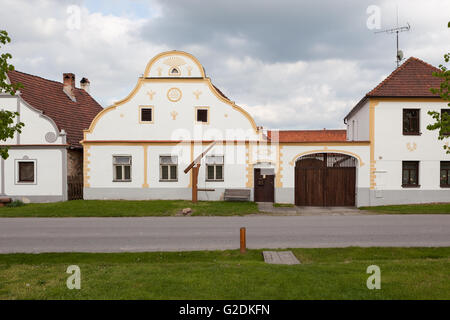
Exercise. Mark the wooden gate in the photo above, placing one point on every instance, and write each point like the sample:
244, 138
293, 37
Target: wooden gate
325, 179
74, 187
264, 187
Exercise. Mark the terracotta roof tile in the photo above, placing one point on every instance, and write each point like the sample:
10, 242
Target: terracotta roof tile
48, 96
309, 135
413, 78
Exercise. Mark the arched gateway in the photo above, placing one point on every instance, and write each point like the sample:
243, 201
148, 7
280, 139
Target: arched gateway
325, 179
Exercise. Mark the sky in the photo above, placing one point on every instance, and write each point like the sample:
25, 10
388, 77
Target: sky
291, 64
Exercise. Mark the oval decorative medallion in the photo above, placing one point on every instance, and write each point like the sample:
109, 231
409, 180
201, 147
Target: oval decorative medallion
174, 94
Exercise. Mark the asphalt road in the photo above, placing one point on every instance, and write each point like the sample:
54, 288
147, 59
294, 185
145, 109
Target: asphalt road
211, 233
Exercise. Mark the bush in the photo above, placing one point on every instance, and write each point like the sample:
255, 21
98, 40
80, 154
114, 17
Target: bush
15, 203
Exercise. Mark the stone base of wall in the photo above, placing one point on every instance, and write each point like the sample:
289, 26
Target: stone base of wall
151, 194
37, 199
410, 196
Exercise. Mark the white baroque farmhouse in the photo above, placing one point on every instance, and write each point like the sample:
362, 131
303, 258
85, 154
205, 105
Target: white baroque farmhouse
139, 147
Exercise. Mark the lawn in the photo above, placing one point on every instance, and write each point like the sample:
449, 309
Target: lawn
430, 208
331, 273
122, 208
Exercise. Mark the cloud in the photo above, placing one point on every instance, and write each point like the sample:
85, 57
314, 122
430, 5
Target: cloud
291, 64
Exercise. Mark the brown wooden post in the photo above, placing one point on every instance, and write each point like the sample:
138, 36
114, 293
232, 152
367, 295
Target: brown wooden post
243, 241
194, 183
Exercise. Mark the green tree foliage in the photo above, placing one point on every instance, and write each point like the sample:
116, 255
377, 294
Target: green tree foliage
8, 125
442, 120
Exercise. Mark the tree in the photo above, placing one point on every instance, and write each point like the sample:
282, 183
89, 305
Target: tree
8, 127
442, 120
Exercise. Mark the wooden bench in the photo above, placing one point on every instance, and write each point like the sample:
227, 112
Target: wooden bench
237, 195
4, 201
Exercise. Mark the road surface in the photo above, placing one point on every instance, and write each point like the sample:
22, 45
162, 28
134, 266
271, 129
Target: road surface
211, 233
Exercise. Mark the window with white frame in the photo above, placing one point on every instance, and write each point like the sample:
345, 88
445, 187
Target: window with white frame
168, 168
214, 168
122, 168
26, 171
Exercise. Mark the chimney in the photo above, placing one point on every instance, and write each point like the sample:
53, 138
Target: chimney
69, 85
84, 84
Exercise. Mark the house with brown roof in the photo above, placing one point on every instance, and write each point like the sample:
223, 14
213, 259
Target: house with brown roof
46, 158
176, 135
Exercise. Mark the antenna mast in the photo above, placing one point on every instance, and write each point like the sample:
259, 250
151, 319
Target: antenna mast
397, 30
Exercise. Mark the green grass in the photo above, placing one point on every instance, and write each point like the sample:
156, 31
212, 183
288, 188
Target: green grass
123, 208
431, 208
332, 273
283, 205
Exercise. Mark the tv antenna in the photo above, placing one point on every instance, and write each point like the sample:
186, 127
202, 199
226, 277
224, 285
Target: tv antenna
397, 30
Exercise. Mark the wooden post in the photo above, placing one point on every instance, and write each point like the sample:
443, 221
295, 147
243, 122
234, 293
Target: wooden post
243, 241
194, 183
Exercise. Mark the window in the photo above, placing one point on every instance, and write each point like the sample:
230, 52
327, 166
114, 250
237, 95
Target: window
26, 171
122, 168
410, 176
445, 171
214, 168
445, 113
146, 114
411, 123
174, 71
168, 167
202, 115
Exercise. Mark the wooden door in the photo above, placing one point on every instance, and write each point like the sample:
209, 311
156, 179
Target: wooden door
340, 187
264, 187
321, 181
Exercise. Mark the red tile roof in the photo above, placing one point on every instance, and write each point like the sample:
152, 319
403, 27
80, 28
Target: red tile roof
48, 96
309, 135
413, 79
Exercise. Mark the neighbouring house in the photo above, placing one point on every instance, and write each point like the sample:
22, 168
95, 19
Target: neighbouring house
45, 161
144, 146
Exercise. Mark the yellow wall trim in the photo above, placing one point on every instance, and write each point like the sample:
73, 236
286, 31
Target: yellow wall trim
372, 104
145, 184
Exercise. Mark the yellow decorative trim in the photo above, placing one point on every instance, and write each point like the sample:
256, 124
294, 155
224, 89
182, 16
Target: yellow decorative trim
295, 158
279, 175
174, 115
412, 147
86, 168
174, 61
189, 70
170, 53
195, 115
174, 94
249, 165
140, 114
372, 105
159, 71
327, 144
197, 94
150, 94
145, 184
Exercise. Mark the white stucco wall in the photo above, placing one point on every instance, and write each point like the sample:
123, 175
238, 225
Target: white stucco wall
392, 147
31, 144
